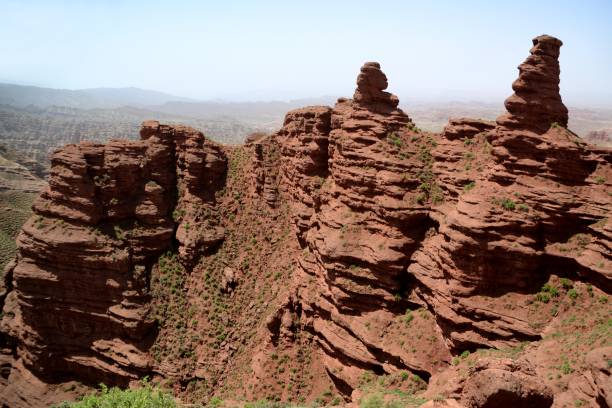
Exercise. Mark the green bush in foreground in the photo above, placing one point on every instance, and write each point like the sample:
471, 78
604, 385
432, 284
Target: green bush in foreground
145, 397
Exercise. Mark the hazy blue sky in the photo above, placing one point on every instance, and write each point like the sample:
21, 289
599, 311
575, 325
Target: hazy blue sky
253, 50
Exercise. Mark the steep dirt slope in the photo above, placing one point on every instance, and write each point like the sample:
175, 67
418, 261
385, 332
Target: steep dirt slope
348, 257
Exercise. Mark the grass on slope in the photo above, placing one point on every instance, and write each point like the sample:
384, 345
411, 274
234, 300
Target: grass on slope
145, 397
14, 211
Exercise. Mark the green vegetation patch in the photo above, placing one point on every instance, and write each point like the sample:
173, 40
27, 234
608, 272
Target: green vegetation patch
390, 391
147, 396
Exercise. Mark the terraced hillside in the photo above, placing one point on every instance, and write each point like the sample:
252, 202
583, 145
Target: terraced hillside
18, 188
14, 211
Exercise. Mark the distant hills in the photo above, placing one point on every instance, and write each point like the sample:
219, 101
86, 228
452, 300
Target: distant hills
22, 96
37, 120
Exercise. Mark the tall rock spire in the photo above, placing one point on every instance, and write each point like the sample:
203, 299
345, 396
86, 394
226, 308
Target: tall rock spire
371, 85
536, 102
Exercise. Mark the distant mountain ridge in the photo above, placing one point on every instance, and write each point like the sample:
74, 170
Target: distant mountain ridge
238, 118
22, 96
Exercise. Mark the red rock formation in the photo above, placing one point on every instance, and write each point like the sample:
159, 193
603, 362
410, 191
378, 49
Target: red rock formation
494, 383
532, 192
352, 179
536, 103
465, 128
265, 162
78, 296
371, 85
473, 217
601, 373
414, 247
303, 142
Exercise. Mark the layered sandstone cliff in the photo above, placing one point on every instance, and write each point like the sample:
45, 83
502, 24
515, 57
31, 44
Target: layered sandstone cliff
348, 244
463, 227
78, 292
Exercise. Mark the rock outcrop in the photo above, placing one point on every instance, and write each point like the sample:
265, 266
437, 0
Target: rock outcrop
465, 128
265, 163
601, 372
370, 92
521, 193
304, 142
495, 383
536, 103
78, 301
482, 214
352, 179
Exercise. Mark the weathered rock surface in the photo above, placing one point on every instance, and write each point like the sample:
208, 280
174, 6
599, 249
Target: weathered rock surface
265, 163
465, 128
495, 383
303, 141
371, 85
77, 303
349, 173
467, 225
536, 103
525, 194
599, 361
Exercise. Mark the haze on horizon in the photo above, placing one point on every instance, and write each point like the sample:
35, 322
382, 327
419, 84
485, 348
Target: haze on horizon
270, 50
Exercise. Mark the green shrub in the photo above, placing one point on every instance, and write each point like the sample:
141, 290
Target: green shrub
146, 396
395, 140
572, 293
566, 368
508, 204
469, 186
408, 317
566, 283
215, 402
554, 292
371, 401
